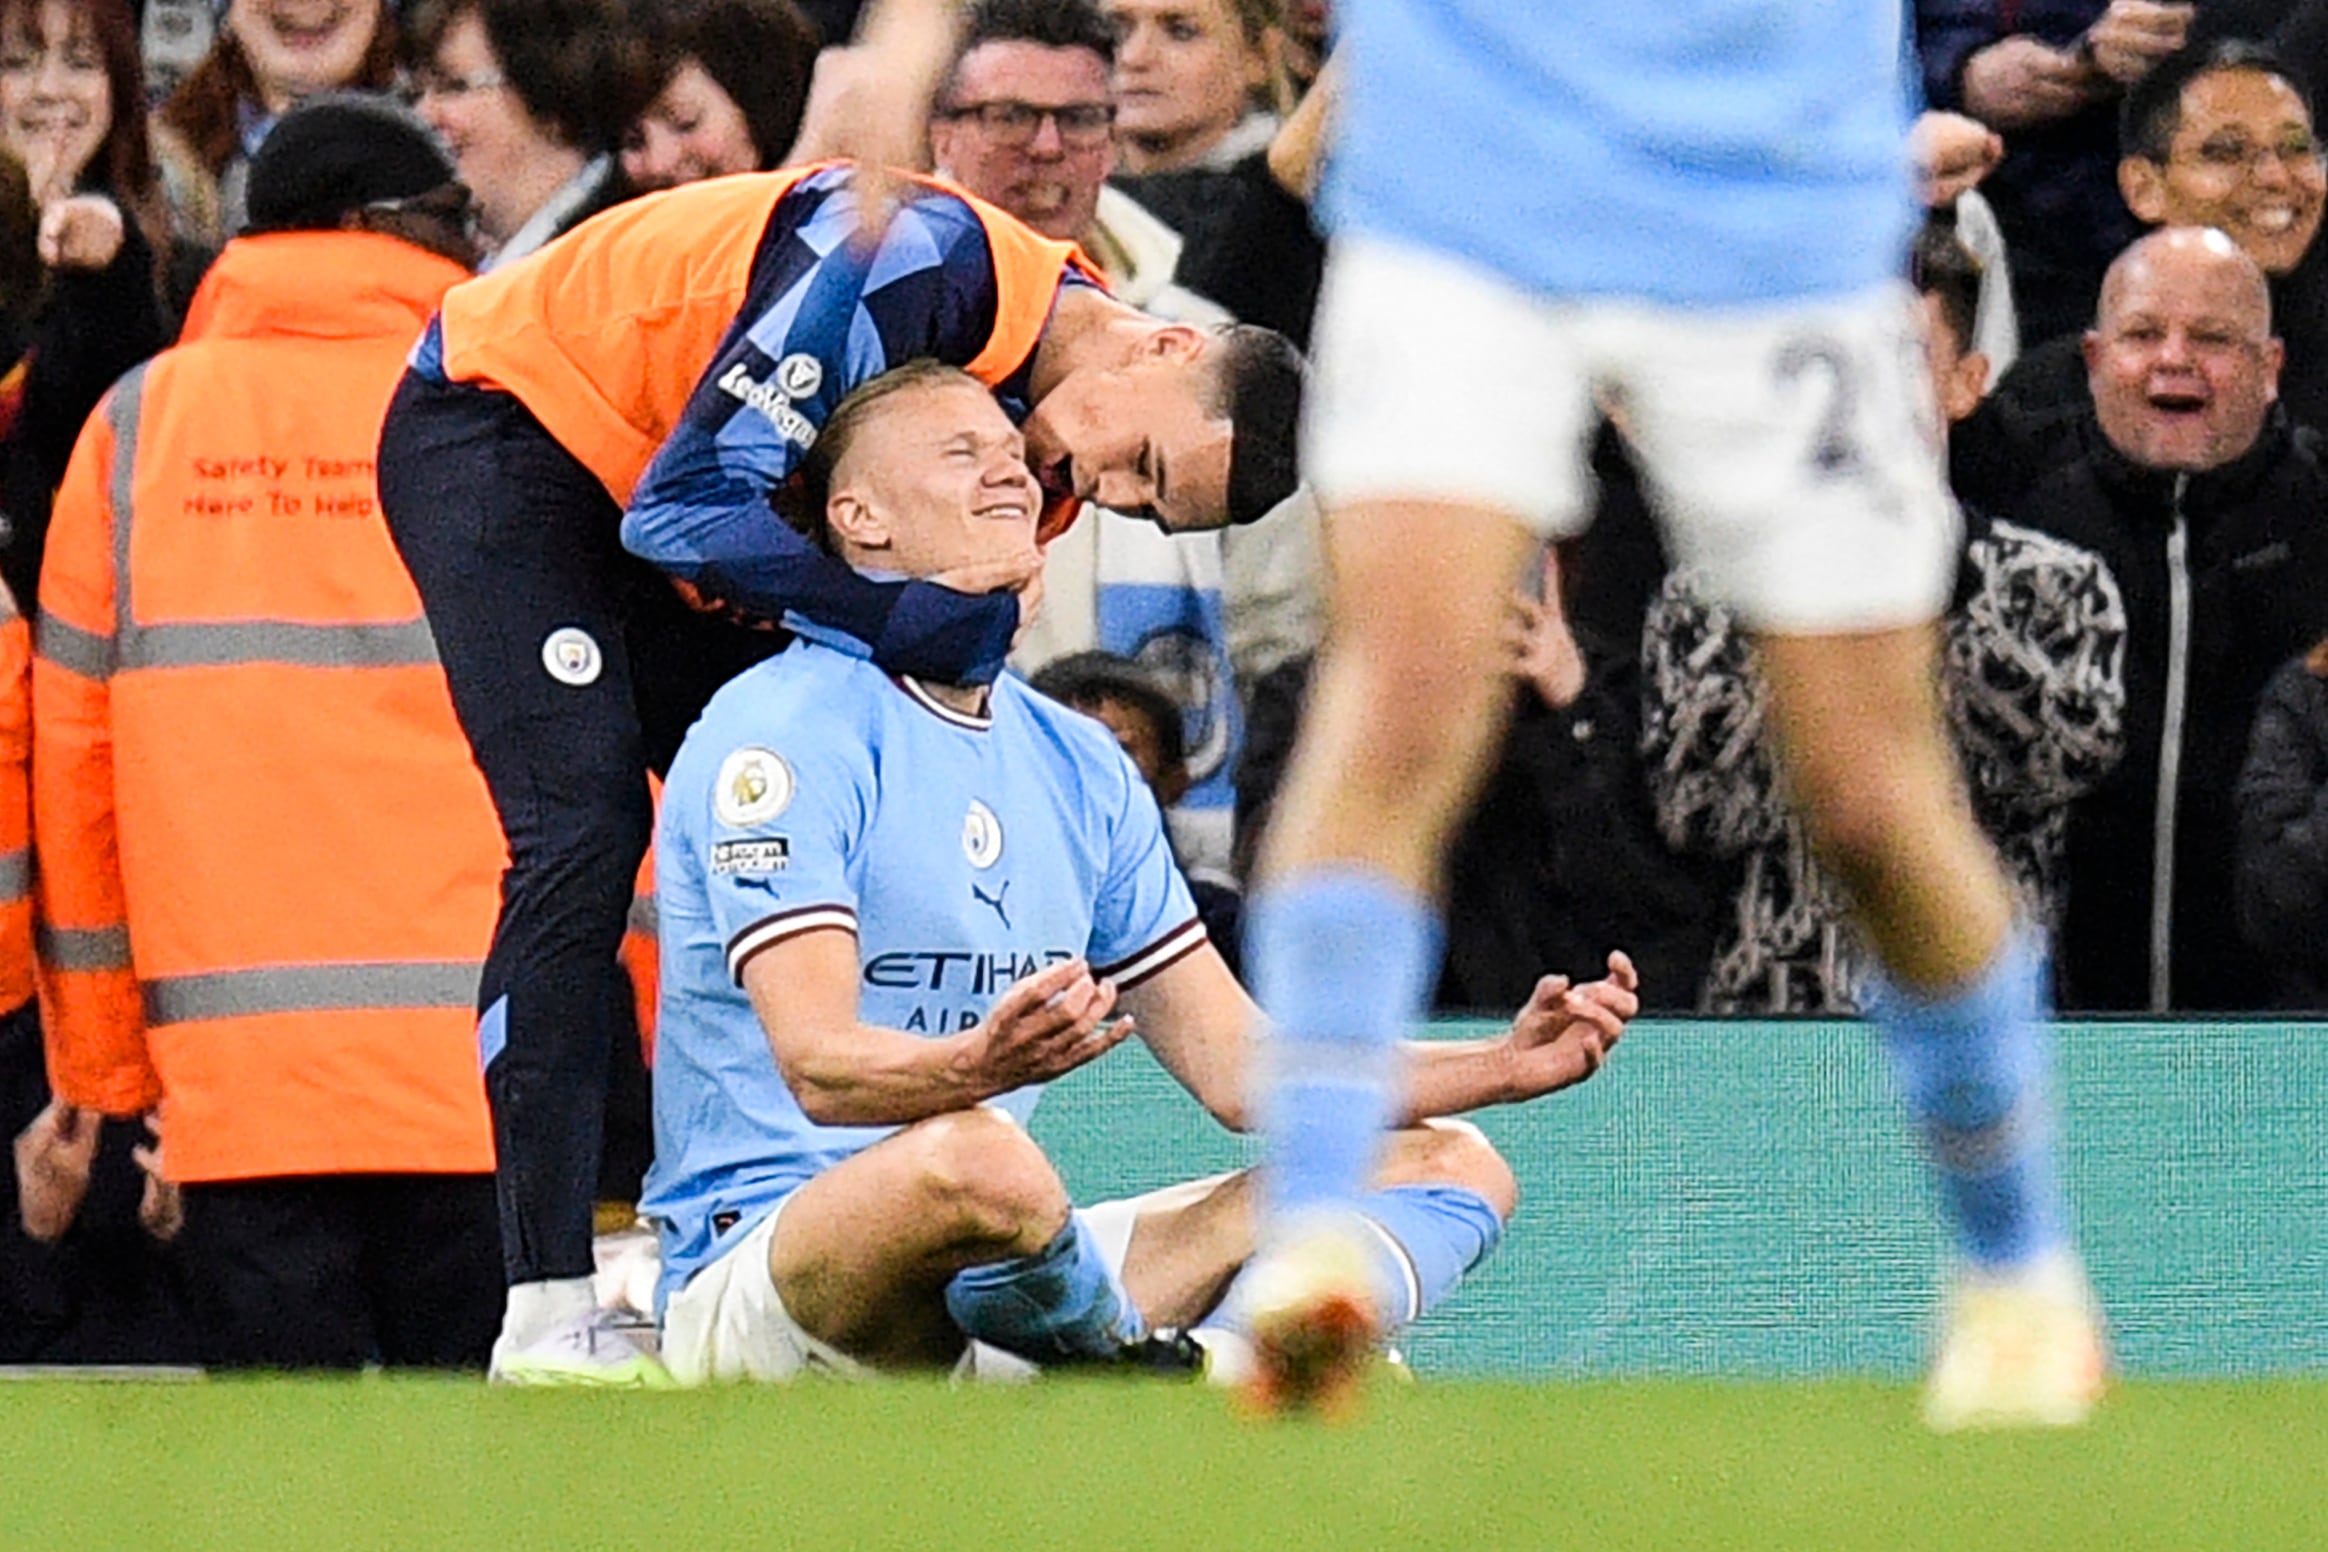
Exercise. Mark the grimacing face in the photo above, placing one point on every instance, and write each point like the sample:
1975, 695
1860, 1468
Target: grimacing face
2243, 161
934, 479
2181, 359
1050, 181
1139, 437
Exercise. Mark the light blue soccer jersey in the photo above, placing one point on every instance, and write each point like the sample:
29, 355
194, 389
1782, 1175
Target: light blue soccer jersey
965, 852
1696, 153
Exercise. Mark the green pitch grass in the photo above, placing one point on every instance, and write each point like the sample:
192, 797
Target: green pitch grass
430, 1466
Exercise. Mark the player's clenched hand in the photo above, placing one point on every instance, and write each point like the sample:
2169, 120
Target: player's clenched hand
1046, 1025
53, 1159
1021, 574
1565, 1032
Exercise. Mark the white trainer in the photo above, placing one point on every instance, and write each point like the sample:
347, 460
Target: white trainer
592, 1351
2020, 1350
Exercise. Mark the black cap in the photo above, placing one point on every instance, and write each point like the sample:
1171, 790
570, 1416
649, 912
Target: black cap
335, 154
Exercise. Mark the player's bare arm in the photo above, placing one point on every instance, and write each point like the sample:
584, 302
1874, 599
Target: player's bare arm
848, 1073
1558, 1040
1199, 1023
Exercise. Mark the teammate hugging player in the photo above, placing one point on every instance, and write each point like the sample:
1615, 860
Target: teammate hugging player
892, 910
678, 353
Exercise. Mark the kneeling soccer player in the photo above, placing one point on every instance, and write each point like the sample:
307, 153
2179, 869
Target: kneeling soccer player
891, 911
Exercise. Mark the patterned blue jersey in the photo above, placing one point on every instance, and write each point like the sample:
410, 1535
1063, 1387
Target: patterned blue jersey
1695, 153
965, 852
825, 314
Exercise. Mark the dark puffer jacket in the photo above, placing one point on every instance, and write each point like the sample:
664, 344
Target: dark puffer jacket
2222, 574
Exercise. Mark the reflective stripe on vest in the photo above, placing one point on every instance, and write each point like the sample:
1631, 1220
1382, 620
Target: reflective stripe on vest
83, 948
222, 994
223, 644
15, 874
645, 917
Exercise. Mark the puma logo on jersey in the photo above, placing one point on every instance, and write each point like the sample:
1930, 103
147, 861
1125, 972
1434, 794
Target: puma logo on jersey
995, 900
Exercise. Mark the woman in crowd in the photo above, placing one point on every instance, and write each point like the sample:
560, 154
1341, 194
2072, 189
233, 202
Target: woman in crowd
533, 98
1189, 75
2282, 797
732, 102
71, 121
268, 55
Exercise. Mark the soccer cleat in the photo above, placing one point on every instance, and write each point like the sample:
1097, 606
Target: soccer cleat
582, 1353
1167, 1351
2024, 1350
1313, 1317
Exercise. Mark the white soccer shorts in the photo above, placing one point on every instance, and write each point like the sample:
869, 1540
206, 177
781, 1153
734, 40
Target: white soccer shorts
1792, 451
728, 1323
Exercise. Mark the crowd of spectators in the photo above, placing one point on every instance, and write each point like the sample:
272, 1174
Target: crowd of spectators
2136, 663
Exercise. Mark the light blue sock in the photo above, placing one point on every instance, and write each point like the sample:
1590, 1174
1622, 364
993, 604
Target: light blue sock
1975, 1069
1429, 1237
1342, 961
1056, 1306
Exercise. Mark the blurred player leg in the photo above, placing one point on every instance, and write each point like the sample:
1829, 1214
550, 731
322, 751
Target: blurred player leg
1444, 425
1962, 1021
1439, 1201
1797, 454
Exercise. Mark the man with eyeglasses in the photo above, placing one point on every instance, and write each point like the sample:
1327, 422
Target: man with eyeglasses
2221, 136
532, 101
1025, 120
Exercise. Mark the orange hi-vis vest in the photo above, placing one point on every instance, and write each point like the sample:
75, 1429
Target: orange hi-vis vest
269, 866
15, 804
604, 333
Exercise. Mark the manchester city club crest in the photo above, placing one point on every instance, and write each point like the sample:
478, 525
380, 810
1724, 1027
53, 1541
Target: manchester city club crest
754, 786
572, 656
981, 836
